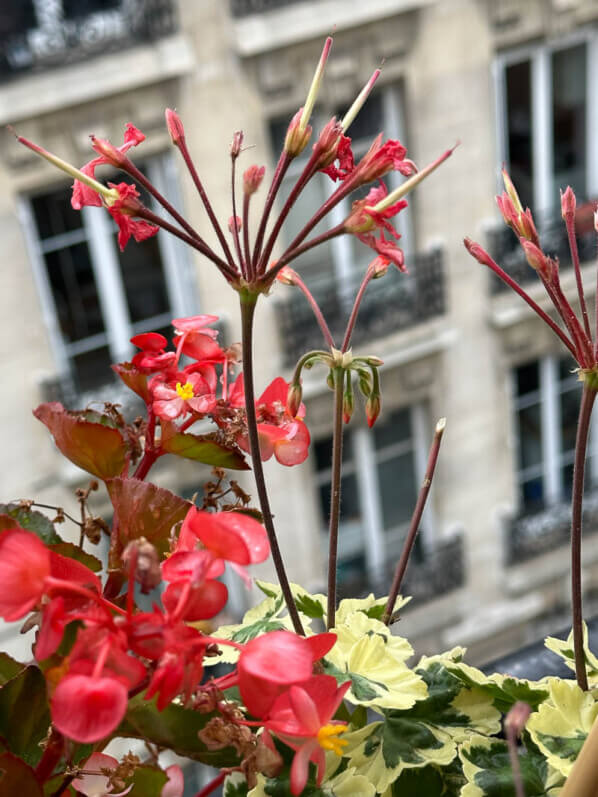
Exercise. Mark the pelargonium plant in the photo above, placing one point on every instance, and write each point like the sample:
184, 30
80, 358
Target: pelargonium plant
310, 696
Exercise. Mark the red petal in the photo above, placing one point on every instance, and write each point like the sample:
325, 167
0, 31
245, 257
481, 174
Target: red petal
24, 565
88, 709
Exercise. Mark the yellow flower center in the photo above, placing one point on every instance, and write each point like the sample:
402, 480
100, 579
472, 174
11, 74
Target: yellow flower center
185, 391
328, 738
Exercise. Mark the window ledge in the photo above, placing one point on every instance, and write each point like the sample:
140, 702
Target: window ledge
307, 20
99, 77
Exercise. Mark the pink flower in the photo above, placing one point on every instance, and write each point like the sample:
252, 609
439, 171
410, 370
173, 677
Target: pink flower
83, 194
97, 785
364, 219
24, 567
152, 356
186, 392
302, 718
176, 782
380, 159
194, 338
87, 708
122, 211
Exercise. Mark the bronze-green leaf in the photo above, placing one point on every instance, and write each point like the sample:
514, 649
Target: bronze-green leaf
205, 448
16, 777
90, 440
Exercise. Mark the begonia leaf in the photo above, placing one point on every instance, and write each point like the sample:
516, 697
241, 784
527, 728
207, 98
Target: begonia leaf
72, 551
88, 439
431, 781
175, 728
148, 781
487, 767
16, 777
24, 714
30, 519
201, 448
144, 510
9, 668
561, 724
133, 379
235, 785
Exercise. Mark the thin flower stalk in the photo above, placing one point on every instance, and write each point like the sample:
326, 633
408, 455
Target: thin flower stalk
368, 277
293, 278
415, 522
335, 492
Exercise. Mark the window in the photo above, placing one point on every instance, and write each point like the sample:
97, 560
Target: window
94, 297
382, 470
547, 121
345, 257
546, 403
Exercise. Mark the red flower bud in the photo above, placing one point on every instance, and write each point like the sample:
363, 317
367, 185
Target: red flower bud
568, 203
112, 154
175, 126
372, 408
537, 259
234, 220
237, 143
296, 138
252, 179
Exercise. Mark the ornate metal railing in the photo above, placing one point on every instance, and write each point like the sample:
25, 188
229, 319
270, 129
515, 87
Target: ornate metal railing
535, 533
395, 302
505, 249
243, 8
38, 34
439, 572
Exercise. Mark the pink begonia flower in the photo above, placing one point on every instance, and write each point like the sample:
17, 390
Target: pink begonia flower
153, 356
196, 339
176, 782
97, 785
270, 663
83, 194
24, 567
88, 708
302, 718
186, 392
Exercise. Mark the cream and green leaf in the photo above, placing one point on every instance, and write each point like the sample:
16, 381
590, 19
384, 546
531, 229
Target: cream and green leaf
564, 649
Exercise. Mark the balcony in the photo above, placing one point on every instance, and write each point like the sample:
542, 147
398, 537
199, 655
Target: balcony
396, 302
36, 36
244, 8
505, 249
534, 533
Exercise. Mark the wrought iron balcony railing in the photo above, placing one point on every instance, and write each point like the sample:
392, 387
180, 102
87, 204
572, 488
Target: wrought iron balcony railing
534, 533
47, 33
505, 249
395, 302
243, 8
439, 572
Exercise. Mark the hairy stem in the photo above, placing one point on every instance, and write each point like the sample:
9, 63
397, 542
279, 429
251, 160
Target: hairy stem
325, 329
570, 224
415, 521
247, 315
583, 427
335, 493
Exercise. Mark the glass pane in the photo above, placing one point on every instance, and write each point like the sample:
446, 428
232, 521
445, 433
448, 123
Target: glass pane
81, 8
396, 479
322, 451
532, 493
350, 509
568, 370
569, 411
54, 214
143, 280
519, 128
395, 429
569, 118
352, 575
527, 378
368, 123
92, 369
74, 291
530, 437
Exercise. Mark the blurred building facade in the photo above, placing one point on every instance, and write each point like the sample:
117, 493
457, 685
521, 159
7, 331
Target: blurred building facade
513, 82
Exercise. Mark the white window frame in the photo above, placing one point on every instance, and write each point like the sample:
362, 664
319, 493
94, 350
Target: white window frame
551, 439
369, 536
98, 232
544, 191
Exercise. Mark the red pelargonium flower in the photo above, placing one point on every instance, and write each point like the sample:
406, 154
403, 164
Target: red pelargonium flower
269, 664
98, 785
280, 433
380, 159
302, 718
122, 211
186, 392
364, 219
24, 566
83, 194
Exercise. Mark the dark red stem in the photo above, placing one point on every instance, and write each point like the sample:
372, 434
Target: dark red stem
315, 309
212, 785
570, 224
353, 317
279, 173
335, 493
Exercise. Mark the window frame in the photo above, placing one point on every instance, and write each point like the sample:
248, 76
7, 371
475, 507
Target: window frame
97, 231
545, 193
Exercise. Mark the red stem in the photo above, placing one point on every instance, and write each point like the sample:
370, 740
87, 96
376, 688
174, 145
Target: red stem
335, 494
415, 521
369, 274
212, 785
293, 254
569, 223
279, 173
235, 228
250, 274
316, 310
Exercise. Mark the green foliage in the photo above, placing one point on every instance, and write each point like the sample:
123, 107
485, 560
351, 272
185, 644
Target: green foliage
148, 781
12, 515
24, 714
206, 448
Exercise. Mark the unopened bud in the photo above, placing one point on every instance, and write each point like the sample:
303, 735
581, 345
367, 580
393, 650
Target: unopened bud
297, 137
252, 179
294, 397
568, 203
327, 144
373, 361
536, 259
517, 718
147, 570
286, 275
348, 404
372, 408
175, 126
511, 191
113, 155
330, 379
237, 143
478, 252
365, 383
234, 221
